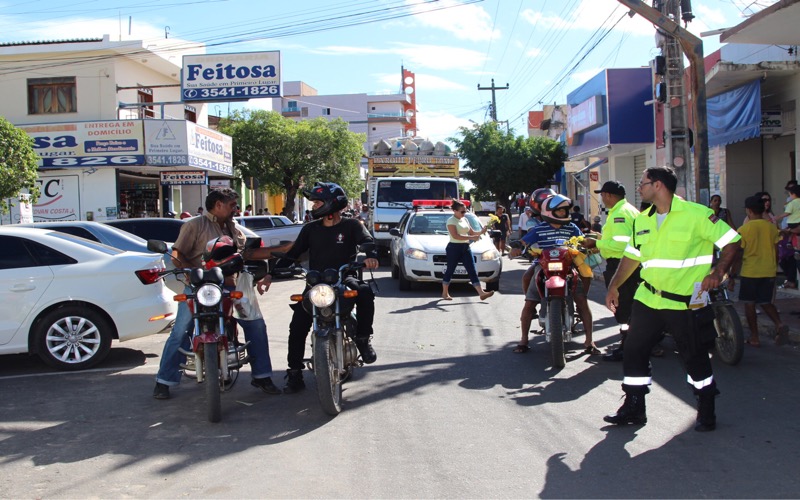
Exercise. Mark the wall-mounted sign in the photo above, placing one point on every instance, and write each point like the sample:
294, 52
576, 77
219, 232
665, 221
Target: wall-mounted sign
59, 199
184, 178
231, 77
88, 144
771, 123
182, 143
585, 116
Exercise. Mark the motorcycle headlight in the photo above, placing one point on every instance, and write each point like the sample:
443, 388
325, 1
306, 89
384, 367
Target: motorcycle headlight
413, 253
490, 255
555, 266
209, 295
322, 295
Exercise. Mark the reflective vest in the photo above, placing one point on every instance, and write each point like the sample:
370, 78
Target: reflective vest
679, 254
617, 230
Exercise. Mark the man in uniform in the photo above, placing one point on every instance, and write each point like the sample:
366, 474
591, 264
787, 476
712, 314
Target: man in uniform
674, 242
616, 236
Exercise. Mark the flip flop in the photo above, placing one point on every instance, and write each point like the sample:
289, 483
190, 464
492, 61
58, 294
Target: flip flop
591, 350
751, 343
521, 349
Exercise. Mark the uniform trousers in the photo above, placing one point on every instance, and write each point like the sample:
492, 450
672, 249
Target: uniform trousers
626, 291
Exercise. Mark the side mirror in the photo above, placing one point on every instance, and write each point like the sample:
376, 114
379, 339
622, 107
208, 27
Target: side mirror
156, 246
394, 232
366, 247
252, 242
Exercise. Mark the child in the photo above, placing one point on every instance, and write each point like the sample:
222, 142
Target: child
757, 260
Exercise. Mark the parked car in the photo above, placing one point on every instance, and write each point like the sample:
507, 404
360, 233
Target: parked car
273, 229
65, 298
155, 228
111, 236
418, 250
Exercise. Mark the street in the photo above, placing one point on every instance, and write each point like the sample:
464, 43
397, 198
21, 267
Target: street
447, 411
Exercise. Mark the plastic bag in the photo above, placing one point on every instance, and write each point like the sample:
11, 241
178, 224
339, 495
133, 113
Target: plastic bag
246, 307
594, 260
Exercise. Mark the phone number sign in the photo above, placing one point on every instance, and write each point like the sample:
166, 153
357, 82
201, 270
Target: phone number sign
231, 77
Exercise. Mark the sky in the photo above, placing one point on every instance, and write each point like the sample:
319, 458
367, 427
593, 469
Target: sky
541, 49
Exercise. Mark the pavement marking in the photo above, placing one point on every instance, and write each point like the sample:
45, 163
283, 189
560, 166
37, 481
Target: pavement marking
93, 370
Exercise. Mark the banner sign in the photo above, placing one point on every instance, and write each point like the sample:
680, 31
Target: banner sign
88, 144
231, 77
427, 166
184, 178
182, 143
59, 199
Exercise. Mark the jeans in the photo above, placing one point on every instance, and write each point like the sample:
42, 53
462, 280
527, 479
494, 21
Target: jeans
302, 320
169, 370
460, 252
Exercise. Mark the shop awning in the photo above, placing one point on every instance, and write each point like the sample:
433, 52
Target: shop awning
735, 115
590, 166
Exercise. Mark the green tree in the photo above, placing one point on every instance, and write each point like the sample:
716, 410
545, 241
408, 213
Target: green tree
18, 164
500, 164
284, 155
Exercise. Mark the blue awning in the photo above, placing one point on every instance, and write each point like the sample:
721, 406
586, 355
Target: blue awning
735, 115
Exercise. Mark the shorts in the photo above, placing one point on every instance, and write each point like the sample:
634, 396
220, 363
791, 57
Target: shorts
757, 290
533, 290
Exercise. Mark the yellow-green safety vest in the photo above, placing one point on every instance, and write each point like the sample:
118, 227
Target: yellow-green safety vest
617, 230
679, 254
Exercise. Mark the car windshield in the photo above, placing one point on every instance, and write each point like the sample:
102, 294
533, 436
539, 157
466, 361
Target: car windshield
429, 224
474, 222
87, 243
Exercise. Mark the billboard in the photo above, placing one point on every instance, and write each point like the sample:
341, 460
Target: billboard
88, 144
182, 143
231, 77
406, 166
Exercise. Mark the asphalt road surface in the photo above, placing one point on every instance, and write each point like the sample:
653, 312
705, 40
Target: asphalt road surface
448, 411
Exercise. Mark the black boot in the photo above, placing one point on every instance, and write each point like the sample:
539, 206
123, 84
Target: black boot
616, 354
364, 346
294, 381
706, 418
632, 410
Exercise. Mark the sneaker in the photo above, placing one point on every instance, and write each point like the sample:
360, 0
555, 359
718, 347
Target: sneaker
266, 385
161, 391
368, 354
294, 382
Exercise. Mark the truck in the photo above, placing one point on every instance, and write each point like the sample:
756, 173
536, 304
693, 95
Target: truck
401, 171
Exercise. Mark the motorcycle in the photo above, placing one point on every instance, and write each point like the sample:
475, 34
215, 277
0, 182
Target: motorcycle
333, 349
216, 354
729, 344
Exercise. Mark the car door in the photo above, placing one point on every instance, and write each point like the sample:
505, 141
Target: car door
23, 282
396, 244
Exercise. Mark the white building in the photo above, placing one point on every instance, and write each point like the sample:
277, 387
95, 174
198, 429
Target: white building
104, 151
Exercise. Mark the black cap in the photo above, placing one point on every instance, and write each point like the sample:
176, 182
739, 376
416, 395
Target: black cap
612, 187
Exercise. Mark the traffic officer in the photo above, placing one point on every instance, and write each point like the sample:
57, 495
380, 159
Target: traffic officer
674, 241
616, 235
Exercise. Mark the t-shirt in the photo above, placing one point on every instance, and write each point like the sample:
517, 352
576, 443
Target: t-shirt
198, 231
544, 235
793, 209
503, 224
329, 246
759, 238
462, 228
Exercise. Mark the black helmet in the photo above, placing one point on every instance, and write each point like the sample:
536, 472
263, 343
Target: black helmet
553, 204
330, 194
538, 197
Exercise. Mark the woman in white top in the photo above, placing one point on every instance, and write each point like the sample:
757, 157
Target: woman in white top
458, 251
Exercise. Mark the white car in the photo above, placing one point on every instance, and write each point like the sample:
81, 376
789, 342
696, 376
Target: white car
65, 298
273, 229
418, 250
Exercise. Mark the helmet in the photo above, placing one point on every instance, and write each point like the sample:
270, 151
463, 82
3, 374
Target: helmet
537, 197
221, 252
552, 204
330, 194
185, 215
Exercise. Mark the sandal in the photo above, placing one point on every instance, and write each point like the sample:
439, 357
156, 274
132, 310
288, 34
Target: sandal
591, 350
521, 349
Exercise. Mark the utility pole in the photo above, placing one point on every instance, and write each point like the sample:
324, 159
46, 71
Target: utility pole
494, 101
695, 175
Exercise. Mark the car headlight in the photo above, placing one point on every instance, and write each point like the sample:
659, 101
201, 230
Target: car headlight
413, 253
322, 295
209, 295
490, 254
555, 266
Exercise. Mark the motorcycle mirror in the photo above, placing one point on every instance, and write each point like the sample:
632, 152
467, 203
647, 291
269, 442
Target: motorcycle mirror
258, 268
252, 242
366, 247
156, 246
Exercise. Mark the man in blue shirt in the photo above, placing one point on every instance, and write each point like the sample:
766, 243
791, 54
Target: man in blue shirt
556, 226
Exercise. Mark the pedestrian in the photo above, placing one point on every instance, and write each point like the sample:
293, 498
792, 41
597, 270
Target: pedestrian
458, 250
616, 235
768, 215
199, 210
522, 223
756, 264
674, 241
503, 225
579, 220
722, 214
596, 226
307, 216
260, 211
791, 213
248, 210
187, 252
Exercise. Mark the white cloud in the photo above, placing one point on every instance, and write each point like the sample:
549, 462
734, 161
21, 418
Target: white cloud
439, 125
466, 22
424, 81
72, 28
440, 57
588, 16
533, 52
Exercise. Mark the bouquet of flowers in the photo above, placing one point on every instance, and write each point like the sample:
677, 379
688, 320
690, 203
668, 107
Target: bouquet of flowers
579, 256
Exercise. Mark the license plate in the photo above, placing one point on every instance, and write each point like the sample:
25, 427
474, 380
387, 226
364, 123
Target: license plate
460, 270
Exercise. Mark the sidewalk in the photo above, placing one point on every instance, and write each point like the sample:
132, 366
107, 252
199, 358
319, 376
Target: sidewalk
787, 302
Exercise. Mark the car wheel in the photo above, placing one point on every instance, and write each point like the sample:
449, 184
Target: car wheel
395, 272
493, 286
405, 284
73, 338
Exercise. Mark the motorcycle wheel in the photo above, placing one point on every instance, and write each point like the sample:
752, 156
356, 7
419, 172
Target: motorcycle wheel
730, 334
555, 323
326, 370
211, 365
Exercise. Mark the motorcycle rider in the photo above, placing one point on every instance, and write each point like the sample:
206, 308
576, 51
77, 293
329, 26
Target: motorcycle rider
331, 242
537, 198
555, 212
187, 252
